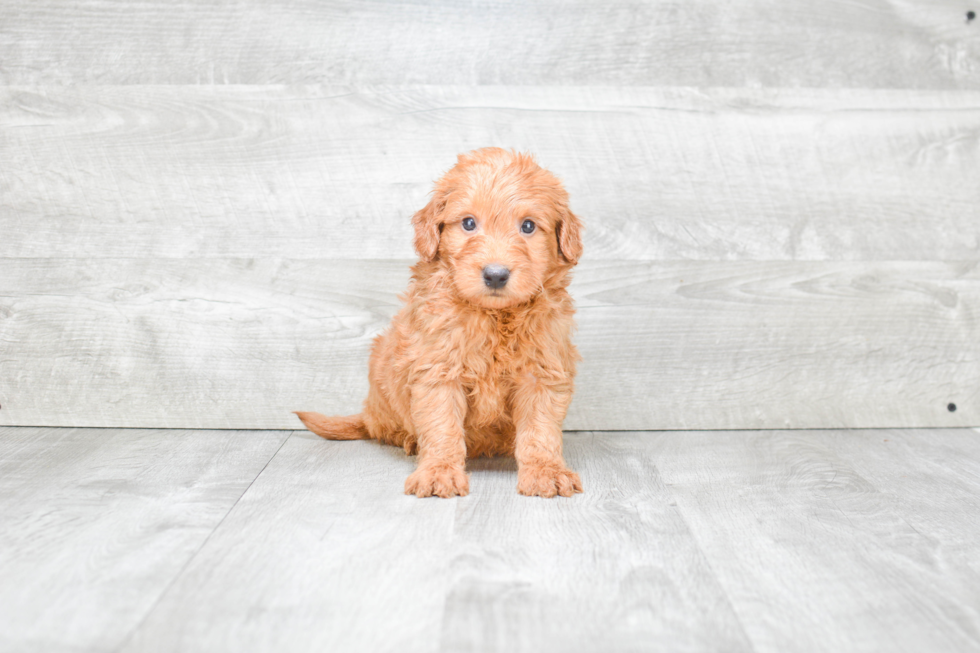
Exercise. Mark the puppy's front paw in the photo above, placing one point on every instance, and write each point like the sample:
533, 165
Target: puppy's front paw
438, 480
547, 481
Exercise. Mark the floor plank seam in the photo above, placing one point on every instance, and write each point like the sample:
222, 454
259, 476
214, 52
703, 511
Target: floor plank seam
707, 560
449, 587
190, 559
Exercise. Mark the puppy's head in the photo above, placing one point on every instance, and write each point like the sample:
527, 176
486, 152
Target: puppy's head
502, 226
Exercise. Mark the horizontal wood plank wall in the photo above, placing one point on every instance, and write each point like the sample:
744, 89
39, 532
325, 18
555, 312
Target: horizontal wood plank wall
219, 343
790, 43
204, 206
336, 173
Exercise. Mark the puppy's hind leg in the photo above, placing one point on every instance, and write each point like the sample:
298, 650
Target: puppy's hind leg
351, 427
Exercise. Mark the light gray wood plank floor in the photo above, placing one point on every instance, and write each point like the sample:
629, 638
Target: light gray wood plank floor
139, 540
96, 524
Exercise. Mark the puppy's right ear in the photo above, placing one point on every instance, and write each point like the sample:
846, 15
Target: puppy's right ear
426, 223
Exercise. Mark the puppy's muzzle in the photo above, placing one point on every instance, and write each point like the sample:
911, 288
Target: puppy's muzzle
495, 276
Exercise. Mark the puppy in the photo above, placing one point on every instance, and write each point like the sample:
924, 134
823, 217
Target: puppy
479, 361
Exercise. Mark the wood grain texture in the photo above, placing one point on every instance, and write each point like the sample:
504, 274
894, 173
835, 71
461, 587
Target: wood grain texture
779, 345
871, 43
840, 540
615, 569
336, 172
95, 525
324, 553
346, 562
675, 345
769, 542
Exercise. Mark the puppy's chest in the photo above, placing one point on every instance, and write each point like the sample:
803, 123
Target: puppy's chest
489, 373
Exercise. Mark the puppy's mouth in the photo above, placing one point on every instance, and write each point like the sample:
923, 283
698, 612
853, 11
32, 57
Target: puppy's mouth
493, 297
499, 298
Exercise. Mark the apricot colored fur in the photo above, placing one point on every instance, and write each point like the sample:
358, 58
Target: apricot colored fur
465, 370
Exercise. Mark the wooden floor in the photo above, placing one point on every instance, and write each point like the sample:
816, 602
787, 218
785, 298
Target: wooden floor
170, 540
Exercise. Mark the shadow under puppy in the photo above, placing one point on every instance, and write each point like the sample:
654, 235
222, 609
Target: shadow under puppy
479, 361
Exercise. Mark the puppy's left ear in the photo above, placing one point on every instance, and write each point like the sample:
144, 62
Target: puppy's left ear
569, 233
426, 223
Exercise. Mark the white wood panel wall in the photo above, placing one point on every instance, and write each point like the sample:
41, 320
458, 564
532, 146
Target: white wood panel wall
657, 174
204, 206
750, 43
242, 342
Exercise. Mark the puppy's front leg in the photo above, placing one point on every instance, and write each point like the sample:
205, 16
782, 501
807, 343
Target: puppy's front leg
438, 412
538, 414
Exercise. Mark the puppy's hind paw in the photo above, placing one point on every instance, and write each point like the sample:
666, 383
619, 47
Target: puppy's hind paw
438, 480
547, 481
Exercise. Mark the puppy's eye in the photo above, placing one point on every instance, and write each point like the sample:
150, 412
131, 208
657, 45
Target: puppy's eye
528, 226
469, 223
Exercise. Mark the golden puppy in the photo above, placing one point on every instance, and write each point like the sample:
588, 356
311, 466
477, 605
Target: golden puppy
479, 361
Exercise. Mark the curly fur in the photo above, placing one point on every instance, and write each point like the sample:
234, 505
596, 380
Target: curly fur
465, 370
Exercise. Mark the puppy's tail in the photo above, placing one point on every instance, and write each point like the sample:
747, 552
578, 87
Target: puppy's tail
335, 428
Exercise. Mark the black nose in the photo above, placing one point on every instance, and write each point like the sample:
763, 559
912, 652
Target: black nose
495, 276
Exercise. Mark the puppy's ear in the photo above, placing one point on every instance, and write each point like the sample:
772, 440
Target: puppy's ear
426, 223
569, 233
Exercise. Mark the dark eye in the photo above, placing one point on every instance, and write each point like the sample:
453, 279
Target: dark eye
469, 223
528, 226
